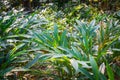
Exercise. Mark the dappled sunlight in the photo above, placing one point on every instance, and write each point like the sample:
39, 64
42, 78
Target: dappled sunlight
59, 40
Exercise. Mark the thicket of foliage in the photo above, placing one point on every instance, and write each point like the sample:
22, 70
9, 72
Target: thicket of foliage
71, 41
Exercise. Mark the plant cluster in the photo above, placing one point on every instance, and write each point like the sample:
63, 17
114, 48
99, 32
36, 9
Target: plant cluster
79, 43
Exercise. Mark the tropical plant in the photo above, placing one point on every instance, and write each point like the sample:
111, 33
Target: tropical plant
75, 61
51, 40
7, 60
107, 36
96, 73
87, 51
101, 36
87, 36
15, 32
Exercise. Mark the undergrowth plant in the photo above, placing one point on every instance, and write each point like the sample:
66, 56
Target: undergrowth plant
86, 51
82, 61
14, 40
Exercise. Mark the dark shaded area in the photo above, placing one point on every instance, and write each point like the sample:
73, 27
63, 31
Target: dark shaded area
29, 5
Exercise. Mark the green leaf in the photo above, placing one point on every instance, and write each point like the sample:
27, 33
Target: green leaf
38, 57
18, 54
39, 36
63, 39
86, 73
102, 77
55, 33
15, 49
3, 72
33, 61
94, 68
109, 72
76, 53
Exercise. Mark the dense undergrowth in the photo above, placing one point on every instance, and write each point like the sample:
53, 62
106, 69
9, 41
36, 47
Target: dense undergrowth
76, 43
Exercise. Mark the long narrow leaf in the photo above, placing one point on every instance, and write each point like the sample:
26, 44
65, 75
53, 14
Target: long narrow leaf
109, 72
94, 68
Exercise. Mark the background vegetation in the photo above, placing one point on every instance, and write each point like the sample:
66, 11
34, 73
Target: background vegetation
60, 40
